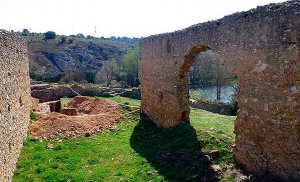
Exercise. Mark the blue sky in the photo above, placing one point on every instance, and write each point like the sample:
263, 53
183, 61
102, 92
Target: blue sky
132, 18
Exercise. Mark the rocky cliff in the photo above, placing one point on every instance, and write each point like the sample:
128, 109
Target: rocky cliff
50, 59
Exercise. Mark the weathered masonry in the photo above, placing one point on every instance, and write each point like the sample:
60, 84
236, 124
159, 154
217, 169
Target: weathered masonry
14, 101
261, 47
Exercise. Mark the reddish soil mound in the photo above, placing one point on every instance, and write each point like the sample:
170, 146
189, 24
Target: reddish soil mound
88, 105
95, 115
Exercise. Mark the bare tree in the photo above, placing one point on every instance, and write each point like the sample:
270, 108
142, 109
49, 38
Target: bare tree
210, 70
107, 73
221, 76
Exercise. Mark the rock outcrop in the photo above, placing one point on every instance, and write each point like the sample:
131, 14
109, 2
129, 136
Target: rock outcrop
50, 59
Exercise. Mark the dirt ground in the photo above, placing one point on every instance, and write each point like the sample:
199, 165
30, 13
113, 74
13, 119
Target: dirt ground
94, 115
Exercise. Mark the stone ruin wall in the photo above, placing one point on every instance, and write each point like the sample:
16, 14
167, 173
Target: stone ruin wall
261, 47
14, 101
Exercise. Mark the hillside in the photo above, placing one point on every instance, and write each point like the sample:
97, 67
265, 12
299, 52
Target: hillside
50, 59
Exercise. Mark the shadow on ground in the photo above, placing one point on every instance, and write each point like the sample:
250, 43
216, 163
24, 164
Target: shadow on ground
174, 152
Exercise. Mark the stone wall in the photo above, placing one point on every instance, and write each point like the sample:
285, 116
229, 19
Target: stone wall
51, 92
261, 47
14, 101
215, 107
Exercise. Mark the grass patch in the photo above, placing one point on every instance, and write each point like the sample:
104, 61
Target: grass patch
33, 116
123, 100
135, 151
64, 101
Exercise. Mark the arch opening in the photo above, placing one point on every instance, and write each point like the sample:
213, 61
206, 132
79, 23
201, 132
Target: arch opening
209, 85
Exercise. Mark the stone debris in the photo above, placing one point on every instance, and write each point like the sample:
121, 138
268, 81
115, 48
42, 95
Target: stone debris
49, 146
216, 168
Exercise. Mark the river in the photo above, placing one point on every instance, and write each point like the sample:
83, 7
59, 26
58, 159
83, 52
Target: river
210, 93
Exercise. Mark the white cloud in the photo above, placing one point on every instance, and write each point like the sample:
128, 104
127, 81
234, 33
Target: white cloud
116, 17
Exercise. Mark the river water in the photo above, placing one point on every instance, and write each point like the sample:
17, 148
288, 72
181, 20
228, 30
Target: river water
210, 93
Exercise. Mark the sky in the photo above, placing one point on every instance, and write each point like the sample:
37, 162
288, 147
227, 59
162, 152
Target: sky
131, 18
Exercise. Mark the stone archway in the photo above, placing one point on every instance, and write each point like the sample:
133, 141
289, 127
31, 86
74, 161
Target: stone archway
189, 61
260, 47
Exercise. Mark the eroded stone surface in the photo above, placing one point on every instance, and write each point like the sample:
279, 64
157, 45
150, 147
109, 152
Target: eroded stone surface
261, 47
14, 101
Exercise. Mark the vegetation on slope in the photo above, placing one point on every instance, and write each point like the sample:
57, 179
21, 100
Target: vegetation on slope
55, 57
135, 151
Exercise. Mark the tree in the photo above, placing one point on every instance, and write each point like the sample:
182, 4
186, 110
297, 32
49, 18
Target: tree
25, 32
75, 74
50, 35
210, 71
220, 78
80, 35
71, 41
107, 73
130, 67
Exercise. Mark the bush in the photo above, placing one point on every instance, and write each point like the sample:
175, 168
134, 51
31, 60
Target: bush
50, 35
195, 95
46, 78
199, 97
74, 83
33, 117
74, 74
71, 41
63, 40
90, 76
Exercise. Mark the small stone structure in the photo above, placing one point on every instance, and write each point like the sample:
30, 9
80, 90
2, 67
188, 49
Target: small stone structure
14, 101
261, 47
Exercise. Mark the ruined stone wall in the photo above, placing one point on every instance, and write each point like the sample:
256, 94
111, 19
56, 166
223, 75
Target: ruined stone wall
51, 92
14, 101
261, 47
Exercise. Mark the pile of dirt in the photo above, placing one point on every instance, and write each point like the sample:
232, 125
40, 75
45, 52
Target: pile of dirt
91, 106
94, 115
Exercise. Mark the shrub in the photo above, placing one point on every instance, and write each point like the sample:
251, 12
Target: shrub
90, 76
63, 40
74, 74
195, 95
46, 78
50, 35
33, 117
71, 41
74, 83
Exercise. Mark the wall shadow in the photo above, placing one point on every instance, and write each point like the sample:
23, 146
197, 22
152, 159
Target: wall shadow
174, 152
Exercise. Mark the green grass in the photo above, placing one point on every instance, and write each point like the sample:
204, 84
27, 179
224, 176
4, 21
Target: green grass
64, 101
135, 151
122, 100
